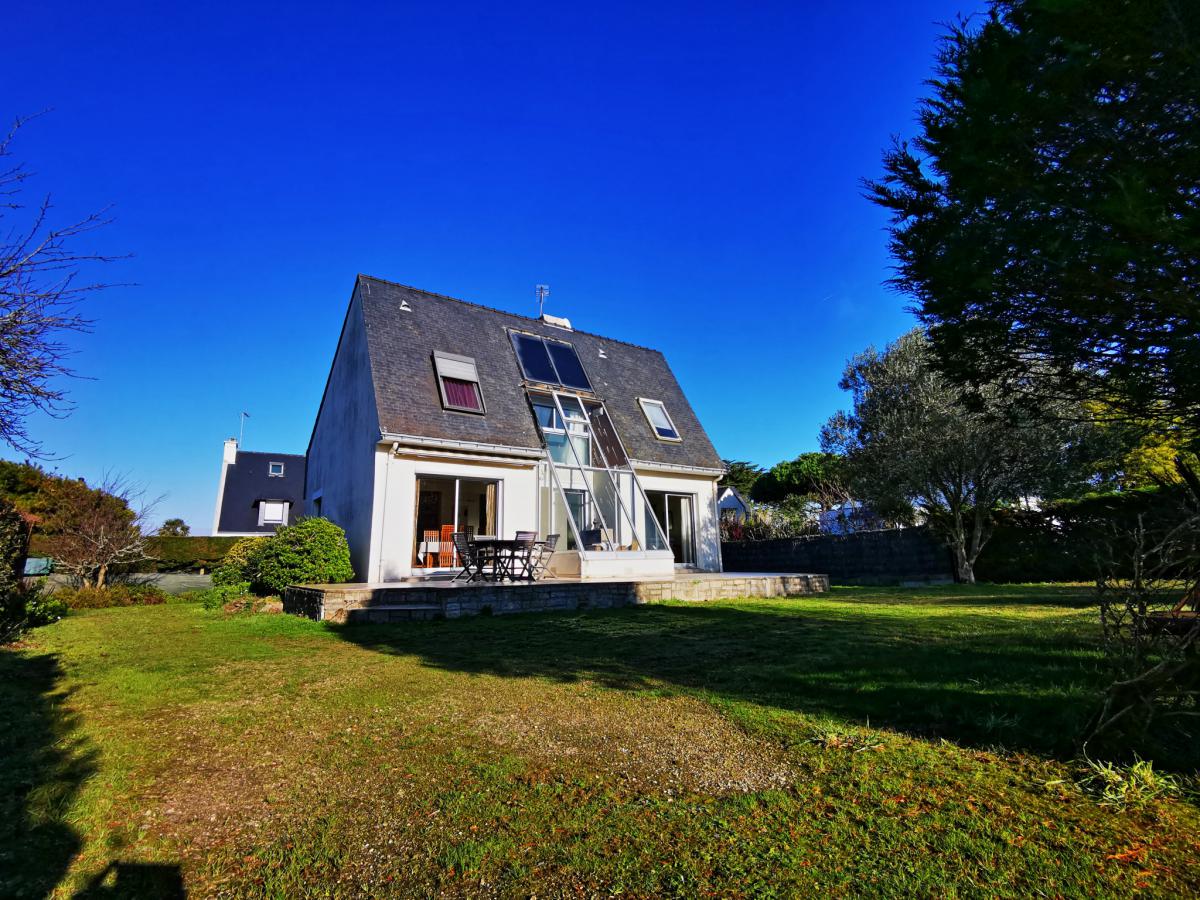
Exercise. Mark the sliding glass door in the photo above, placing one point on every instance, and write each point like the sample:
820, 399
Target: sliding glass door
446, 505
676, 512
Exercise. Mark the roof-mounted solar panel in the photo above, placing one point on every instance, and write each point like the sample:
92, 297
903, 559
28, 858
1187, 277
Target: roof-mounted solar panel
549, 362
570, 369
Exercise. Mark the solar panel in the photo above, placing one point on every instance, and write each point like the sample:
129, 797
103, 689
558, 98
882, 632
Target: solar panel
550, 362
570, 370
535, 361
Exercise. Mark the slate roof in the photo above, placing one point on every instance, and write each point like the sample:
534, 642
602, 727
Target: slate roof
247, 482
401, 343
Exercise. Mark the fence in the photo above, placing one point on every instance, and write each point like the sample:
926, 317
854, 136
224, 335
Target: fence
894, 556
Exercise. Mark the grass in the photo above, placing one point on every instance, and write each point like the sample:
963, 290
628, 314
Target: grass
875, 741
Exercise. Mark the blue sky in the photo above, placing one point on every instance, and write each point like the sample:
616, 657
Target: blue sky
683, 176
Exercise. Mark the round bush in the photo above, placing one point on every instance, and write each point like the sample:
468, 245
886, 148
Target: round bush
313, 551
238, 565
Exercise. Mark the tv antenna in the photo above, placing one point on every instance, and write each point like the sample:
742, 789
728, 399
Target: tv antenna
542, 291
242, 426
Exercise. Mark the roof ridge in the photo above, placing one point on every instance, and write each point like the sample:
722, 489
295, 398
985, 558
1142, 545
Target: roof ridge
503, 312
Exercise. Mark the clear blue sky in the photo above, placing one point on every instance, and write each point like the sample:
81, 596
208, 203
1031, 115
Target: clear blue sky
683, 175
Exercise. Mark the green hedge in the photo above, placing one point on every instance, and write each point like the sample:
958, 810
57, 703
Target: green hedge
1069, 539
171, 554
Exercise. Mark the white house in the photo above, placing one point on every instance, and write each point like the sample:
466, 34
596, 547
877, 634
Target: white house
731, 505
441, 415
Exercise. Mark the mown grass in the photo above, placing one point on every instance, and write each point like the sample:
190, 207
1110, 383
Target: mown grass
876, 741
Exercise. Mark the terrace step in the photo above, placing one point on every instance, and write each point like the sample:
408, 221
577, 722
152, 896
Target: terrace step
395, 612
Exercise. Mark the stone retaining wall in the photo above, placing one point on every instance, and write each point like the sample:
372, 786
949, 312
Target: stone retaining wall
356, 603
895, 556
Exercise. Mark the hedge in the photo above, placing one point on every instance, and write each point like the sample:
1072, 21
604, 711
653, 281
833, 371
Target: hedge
171, 554
1068, 539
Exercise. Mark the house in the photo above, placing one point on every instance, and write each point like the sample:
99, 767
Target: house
258, 492
731, 505
441, 415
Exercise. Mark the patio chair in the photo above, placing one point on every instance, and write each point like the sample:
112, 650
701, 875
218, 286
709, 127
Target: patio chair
430, 546
446, 551
539, 559
469, 556
517, 565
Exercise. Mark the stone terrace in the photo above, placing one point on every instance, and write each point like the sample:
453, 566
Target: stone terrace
429, 599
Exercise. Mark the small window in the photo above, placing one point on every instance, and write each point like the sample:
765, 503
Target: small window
272, 512
275, 469
656, 414
458, 381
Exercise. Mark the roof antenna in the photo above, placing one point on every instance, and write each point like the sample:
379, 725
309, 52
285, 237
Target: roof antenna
542, 291
242, 427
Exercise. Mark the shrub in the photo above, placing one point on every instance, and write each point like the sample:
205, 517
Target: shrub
111, 595
14, 598
313, 551
1134, 785
239, 563
217, 596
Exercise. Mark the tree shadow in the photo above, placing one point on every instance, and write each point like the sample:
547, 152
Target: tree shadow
979, 681
43, 765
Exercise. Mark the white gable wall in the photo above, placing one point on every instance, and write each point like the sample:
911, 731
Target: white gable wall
342, 453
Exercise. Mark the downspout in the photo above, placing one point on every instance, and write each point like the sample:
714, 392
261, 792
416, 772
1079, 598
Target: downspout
387, 474
717, 523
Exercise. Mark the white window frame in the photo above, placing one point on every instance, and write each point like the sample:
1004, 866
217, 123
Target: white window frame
645, 403
273, 474
262, 512
460, 368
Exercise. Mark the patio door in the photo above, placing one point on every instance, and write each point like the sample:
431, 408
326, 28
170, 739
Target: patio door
445, 505
676, 513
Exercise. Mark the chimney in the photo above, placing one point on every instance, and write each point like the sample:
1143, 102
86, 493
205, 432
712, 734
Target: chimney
231, 448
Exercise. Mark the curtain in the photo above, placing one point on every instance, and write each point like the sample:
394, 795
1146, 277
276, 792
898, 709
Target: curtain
463, 394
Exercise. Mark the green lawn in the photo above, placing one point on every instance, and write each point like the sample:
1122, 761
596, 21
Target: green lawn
875, 741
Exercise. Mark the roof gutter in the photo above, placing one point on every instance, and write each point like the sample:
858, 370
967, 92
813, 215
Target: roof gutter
642, 464
424, 443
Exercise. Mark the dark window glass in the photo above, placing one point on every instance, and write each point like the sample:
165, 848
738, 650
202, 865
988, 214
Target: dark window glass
570, 370
547, 415
535, 361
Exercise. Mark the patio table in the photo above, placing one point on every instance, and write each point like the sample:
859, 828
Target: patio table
503, 552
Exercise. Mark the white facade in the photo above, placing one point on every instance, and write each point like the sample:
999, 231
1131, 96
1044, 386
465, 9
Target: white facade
391, 552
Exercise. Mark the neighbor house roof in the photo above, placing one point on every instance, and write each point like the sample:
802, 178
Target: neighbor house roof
248, 482
405, 326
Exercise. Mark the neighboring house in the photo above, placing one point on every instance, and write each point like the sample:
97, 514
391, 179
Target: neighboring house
442, 415
848, 518
731, 505
258, 492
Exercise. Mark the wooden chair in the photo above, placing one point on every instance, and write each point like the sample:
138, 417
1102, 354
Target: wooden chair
470, 557
539, 559
446, 548
517, 565
430, 539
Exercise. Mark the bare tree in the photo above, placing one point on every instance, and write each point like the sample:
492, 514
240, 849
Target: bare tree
93, 531
39, 294
1149, 592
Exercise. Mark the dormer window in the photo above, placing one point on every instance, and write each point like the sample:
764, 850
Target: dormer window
656, 415
275, 470
272, 512
458, 382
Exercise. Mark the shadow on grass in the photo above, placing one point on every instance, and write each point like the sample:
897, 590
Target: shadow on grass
43, 765
1023, 683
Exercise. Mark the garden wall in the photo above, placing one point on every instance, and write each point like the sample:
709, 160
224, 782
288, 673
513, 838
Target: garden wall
894, 556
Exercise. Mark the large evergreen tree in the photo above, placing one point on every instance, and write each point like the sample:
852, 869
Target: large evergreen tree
1046, 220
